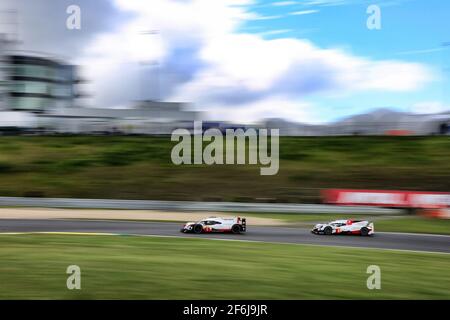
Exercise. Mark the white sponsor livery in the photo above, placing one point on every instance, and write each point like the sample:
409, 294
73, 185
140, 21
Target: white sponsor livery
216, 224
363, 228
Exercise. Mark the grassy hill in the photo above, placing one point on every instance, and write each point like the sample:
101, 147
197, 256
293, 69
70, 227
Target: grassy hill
140, 168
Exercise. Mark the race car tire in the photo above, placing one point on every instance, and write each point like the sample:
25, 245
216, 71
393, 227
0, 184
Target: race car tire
236, 229
198, 228
328, 231
364, 231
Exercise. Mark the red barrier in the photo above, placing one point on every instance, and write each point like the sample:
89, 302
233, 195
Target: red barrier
387, 198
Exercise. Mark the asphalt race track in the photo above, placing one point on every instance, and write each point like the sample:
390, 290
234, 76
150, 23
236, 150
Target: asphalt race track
415, 242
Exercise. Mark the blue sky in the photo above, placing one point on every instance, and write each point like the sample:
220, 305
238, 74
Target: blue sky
412, 30
245, 60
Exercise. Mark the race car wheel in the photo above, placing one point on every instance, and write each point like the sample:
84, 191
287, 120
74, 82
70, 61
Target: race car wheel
364, 231
236, 229
198, 228
328, 231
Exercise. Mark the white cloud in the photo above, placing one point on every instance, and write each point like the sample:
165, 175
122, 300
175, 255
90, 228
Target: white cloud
420, 51
247, 66
303, 12
223, 69
283, 3
327, 3
255, 16
275, 32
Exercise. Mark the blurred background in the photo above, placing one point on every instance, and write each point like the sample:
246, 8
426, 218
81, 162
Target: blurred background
87, 113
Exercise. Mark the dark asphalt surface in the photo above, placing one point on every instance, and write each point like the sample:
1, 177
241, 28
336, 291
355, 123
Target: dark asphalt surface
415, 242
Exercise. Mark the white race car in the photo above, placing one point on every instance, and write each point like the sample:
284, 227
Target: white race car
363, 228
216, 224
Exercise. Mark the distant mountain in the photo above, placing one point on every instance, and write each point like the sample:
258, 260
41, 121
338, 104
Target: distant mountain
382, 114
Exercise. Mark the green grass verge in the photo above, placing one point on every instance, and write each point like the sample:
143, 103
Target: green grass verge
141, 168
33, 267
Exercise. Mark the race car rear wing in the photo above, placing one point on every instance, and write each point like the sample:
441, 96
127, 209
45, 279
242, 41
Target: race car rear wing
244, 224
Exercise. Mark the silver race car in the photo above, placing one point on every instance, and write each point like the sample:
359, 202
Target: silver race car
216, 224
363, 228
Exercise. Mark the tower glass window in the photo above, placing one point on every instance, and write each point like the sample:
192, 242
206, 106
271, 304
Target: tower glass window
36, 84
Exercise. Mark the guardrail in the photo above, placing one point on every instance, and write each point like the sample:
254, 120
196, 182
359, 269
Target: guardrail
191, 206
